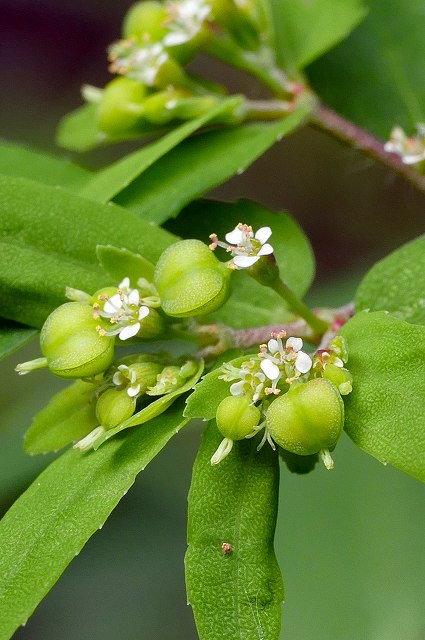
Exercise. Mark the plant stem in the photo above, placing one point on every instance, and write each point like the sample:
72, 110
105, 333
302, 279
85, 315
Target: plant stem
352, 135
297, 306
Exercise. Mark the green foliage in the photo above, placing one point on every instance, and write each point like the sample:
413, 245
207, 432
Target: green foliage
385, 412
122, 263
306, 30
109, 182
50, 523
48, 240
403, 272
17, 160
375, 77
201, 163
251, 303
235, 591
13, 336
69, 416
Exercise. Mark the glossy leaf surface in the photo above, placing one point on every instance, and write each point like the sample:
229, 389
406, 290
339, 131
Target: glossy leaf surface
201, 163
403, 294
13, 336
51, 522
385, 412
235, 591
121, 263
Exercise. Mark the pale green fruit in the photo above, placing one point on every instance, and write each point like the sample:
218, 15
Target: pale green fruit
237, 417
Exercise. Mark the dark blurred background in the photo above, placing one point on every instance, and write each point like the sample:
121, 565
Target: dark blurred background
350, 542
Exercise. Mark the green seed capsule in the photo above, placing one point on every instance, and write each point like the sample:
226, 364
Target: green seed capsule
307, 419
145, 21
121, 107
71, 344
237, 417
113, 407
340, 377
190, 280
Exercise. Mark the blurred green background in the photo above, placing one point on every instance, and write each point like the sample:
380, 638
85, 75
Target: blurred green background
351, 543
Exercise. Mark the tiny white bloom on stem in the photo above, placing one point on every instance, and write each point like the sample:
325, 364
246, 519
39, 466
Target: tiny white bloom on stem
245, 246
126, 376
411, 150
186, 20
138, 62
124, 310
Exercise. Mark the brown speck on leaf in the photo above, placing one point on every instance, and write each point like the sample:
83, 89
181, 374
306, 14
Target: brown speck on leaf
226, 547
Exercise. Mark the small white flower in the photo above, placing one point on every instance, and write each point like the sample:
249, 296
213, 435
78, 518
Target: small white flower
127, 377
249, 379
245, 246
280, 361
186, 20
138, 62
124, 310
411, 150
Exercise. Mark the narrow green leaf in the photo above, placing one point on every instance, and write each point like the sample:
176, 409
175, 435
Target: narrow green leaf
306, 30
48, 240
77, 131
153, 409
201, 163
107, 183
13, 336
372, 78
403, 294
69, 416
17, 160
51, 522
252, 304
385, 412
208, 393
238, 593
121, 263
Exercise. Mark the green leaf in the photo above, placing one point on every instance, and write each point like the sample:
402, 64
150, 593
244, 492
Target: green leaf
110, 181
236, 594
209, 392
51, 522
77, 131
251, 303
385, 412
69, 416
48, 240
373, 78
121, 263
17, 160
201, 163
13, 336
153, 409
306, 30
403, 293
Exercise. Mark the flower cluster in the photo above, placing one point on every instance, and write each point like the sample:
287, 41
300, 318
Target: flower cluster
185, 21
245, 245
128, 58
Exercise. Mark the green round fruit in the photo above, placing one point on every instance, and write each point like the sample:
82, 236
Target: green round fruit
113, 407
121, 107
145, 21
71, 344
237, 417
308, 418
190, 280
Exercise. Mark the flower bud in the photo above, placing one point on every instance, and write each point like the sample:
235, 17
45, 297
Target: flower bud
113, 407
237, 417
190, 280
340, 377
71, 344
308, 418
120, 109
145, 21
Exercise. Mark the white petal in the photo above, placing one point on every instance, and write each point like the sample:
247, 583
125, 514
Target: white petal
133, 391
174, 38
122, 367
134, 297
124, 284
129, 331
143, 312
265, 250
118, 378
236, 389
273, 346
245, 261
113, 304
271, 370
295, 343
338, 362
303, 362
263, 234
234, 237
